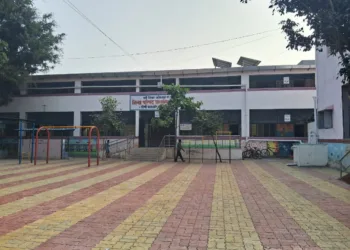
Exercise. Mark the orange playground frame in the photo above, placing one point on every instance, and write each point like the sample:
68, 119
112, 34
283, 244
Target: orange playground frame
47, 128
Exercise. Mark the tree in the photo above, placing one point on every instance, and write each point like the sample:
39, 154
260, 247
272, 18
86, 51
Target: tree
28, 44
328, 21
109, 120
209, 122
179, 101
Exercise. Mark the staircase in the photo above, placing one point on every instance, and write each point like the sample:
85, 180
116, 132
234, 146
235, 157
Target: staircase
147, 154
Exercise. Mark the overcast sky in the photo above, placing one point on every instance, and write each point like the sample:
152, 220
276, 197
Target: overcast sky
151, 25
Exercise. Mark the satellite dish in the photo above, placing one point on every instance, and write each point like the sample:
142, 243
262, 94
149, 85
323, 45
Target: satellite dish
221, 63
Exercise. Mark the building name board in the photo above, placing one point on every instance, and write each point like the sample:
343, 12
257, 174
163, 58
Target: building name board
148, 102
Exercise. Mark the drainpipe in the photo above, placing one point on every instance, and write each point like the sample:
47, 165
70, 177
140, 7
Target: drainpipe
246, 110
316, 120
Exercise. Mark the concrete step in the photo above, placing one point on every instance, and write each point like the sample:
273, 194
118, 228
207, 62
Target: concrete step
147, 154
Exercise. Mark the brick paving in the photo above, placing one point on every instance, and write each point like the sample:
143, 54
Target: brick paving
247, 205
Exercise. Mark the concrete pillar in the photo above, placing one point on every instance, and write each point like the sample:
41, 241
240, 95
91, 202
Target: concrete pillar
137, 112
23, 89
177, 82
245, 112
77, 122
23, 116
77, 85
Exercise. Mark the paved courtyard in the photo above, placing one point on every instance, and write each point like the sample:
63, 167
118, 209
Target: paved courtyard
132, 205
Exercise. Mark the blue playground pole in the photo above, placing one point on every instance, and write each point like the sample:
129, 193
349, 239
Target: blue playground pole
20, 143
32, 153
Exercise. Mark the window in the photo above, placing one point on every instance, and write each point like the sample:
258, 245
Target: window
108, 86
51, 88
325, 119
263, 130
154, 82
280, 81
212, 81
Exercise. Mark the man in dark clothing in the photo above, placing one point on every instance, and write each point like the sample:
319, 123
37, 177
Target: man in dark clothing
178, 154
107, 149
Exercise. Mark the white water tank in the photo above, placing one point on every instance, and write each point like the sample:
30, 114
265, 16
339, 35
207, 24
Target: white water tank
310, 155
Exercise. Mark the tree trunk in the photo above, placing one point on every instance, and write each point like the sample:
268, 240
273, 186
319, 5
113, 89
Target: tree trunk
216, 149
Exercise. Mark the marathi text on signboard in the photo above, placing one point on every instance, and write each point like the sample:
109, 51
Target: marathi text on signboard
148, 102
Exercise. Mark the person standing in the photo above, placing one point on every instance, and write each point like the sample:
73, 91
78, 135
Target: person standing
107, 149
178, 151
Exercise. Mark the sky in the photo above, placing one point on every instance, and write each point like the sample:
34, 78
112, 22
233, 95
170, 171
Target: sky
138, 26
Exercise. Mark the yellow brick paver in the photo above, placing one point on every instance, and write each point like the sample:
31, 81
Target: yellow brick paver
324, 230
31, 201
325, 186
28, 176
59, 221
35, 184
231, 226
141, 228
28, 167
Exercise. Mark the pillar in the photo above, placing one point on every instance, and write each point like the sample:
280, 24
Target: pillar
245, 112
23, 89
137, 112
77, 122
77, 85
23, 116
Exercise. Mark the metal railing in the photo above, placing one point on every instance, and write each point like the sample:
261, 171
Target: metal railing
119, 146
203, 148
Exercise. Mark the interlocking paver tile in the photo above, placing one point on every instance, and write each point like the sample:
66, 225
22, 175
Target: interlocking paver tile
231, 225
142, 227
325, 186
59, 221
93, 229
336, 208
192, 214
323, 229
246, 205
275, 227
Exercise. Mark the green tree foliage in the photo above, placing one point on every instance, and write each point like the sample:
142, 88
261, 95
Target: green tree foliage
178, 101
329, 22
109, 120
209, 122
28, 44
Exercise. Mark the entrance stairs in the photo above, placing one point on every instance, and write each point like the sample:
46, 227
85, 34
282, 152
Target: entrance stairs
147, 154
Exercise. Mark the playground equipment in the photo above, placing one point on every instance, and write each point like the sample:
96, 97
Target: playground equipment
48, 128
14, 136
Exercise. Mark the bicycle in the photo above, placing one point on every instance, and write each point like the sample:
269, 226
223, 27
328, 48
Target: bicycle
268, 152
254, 153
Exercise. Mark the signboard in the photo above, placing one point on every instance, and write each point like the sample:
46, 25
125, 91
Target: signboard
156, 114
287, 118
148, 102
186, 127
286, 80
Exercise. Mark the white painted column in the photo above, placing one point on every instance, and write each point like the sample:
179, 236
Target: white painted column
177, 81
137, 112
77, 122
23, 89
23, 116
77, 85
245, 112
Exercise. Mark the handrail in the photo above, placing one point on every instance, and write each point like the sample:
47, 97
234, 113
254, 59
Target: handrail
342, 167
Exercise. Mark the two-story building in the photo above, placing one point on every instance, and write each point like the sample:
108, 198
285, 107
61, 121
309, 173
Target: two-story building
255, 101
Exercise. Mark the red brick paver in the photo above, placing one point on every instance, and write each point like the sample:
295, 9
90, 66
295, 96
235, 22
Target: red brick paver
18, 220
275, 227
188, 226
30, 192
90, 231
334, 207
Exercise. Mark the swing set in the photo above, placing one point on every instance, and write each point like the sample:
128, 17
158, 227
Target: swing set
48, 128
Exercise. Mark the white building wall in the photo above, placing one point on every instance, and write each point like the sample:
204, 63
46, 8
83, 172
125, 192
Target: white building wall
233, 100
329, 93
